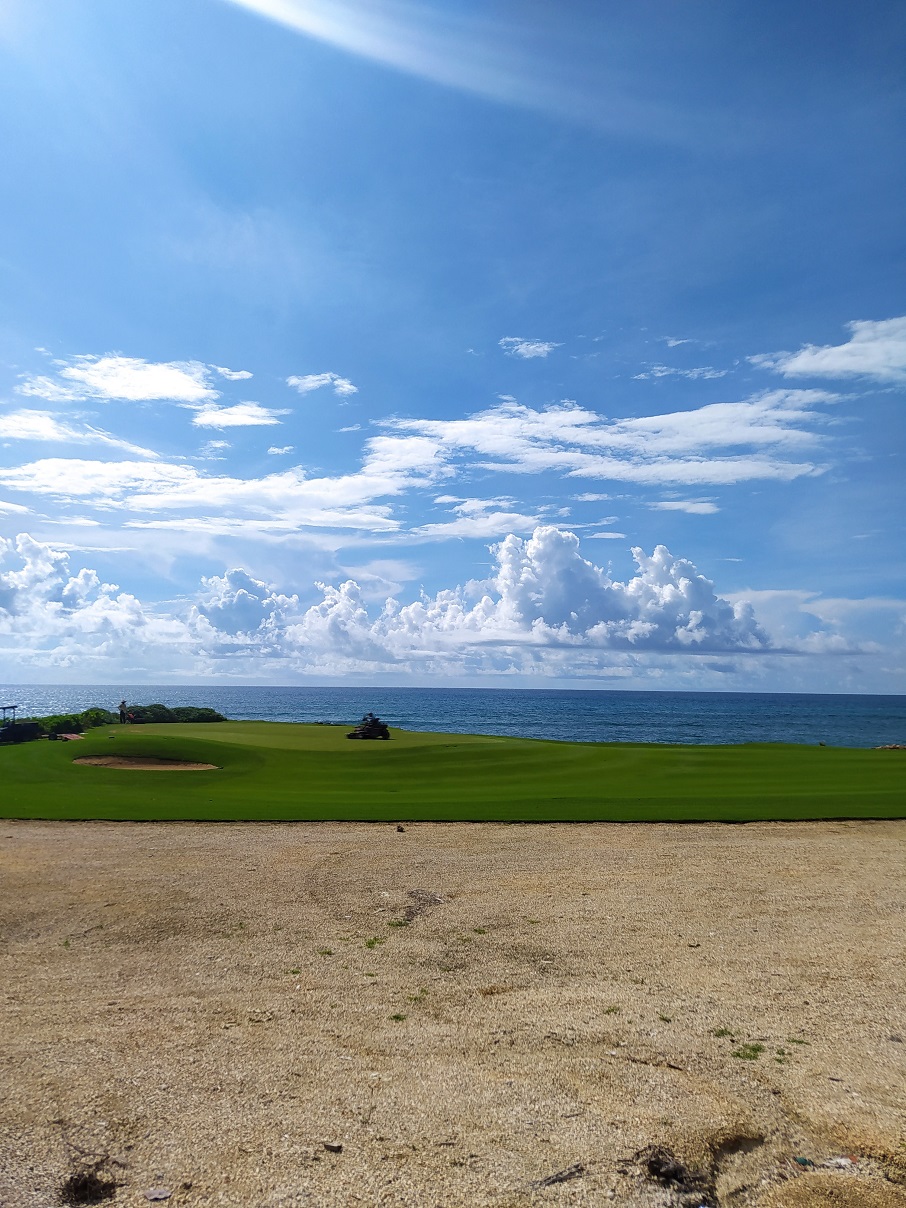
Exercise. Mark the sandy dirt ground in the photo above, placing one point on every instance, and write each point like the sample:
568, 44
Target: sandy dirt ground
267, 1016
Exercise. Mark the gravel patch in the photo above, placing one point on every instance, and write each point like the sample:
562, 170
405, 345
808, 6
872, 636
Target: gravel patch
273, 1015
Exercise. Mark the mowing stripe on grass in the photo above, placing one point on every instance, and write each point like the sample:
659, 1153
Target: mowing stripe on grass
279, 771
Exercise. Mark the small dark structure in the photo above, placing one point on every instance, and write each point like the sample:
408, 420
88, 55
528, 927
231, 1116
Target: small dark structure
370, 727
17, 731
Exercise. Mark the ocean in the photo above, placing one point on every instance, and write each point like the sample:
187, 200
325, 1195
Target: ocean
576, 716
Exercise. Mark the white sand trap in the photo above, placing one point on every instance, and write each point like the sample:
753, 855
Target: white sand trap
145, 763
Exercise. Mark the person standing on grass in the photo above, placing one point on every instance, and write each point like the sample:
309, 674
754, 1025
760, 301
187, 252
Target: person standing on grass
122, 712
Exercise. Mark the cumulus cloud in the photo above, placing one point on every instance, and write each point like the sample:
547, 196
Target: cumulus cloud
279, 450
315, 381
54, 616
515, 346
875, 349
544, 609
238, 603
813, 624
130, 379
542, 599
241, 415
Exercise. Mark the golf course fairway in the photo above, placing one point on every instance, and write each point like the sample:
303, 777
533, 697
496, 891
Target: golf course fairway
266, 771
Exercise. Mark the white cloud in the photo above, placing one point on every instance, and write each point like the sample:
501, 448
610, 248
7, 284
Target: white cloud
876, 349
275, 503
714, 445
232, 375
279, 450
104, 483
127, 378
48, 389
242, 415
314, 381
238, 603
704, 372
718, 444
502, 59
694, 507
543, 594
52, 616
544, 610
807, 622
515, 346
480, 525
381, 577
212, 450
44, 426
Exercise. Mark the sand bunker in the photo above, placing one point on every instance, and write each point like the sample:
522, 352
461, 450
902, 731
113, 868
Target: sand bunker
145, 763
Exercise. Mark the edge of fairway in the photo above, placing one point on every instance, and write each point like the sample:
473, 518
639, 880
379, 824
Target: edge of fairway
281, 772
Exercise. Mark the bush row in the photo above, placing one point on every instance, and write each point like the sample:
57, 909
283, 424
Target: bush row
76, 723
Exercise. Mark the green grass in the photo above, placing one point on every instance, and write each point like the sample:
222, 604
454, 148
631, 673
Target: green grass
270, 771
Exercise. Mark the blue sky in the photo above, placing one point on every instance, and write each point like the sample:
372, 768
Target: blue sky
346, 340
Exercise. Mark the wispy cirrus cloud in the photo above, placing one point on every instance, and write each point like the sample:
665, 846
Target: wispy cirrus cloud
692, 507
875, 349
179, 496
721, 443
44, 426
241, 415
701, 373
515, 346
518, 58
763, 437
213, 450
316, 381
481, 518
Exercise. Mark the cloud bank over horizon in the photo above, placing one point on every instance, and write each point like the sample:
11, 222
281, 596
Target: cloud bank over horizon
545, 611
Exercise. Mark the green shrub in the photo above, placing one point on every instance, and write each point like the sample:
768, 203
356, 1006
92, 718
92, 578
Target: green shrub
88, 719
182, 713
61, 723
188, 713
151, 713
97, 717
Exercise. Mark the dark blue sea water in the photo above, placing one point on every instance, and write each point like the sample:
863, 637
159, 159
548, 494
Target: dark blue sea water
667, 717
